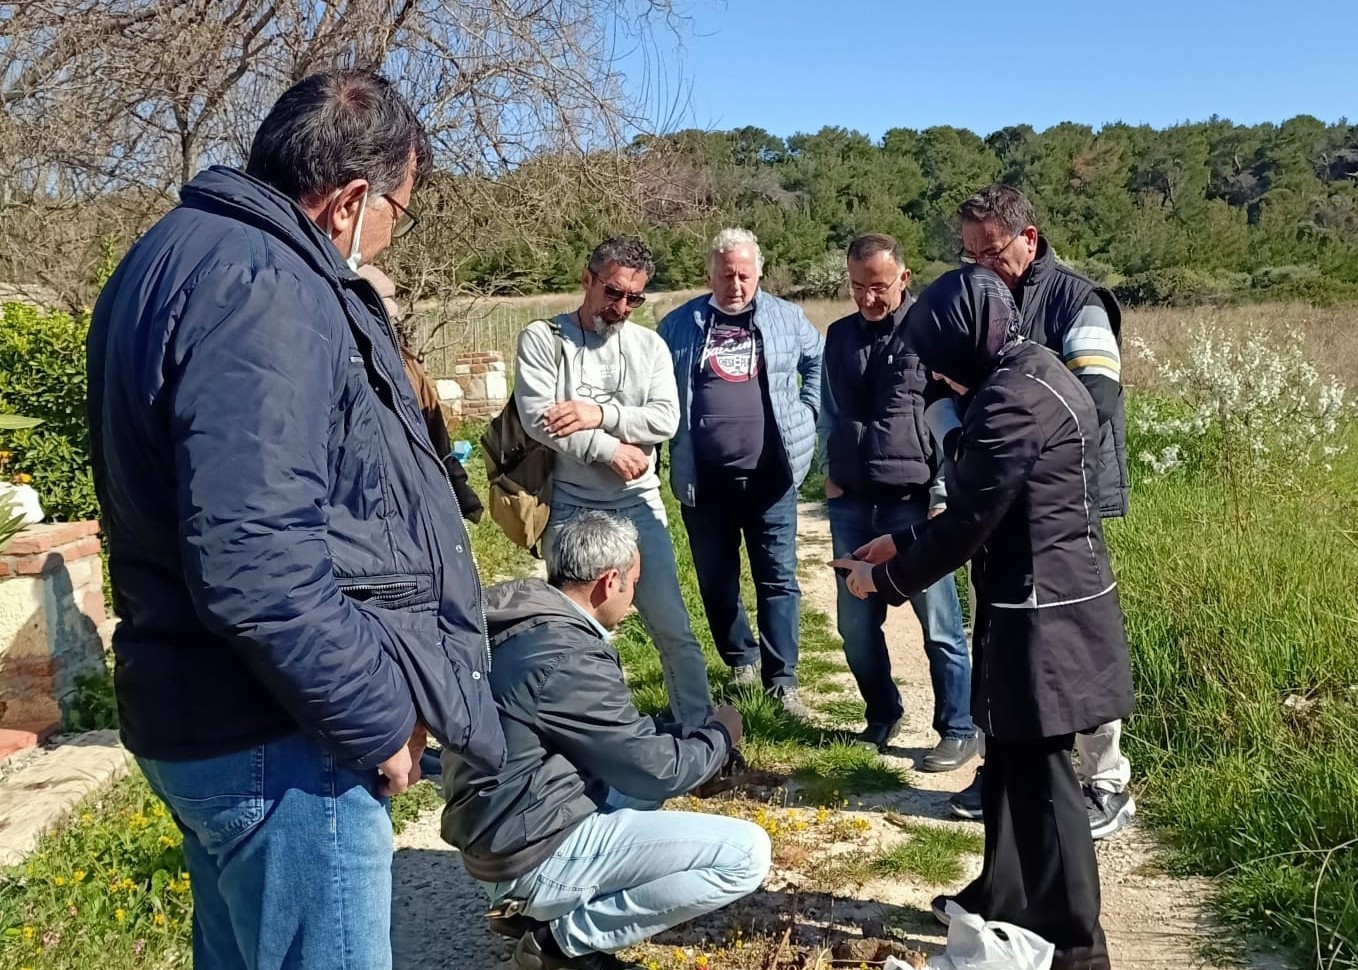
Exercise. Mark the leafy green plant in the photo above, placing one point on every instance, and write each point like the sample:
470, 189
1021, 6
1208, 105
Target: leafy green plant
42, 373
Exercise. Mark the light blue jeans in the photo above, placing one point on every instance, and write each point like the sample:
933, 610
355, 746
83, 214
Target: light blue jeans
628, 872
289, 858
662, 610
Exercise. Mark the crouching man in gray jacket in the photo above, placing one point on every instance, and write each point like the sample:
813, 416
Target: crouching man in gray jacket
563, 838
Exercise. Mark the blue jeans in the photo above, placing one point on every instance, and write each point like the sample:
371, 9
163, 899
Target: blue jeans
853, 522
725, 512
662, 609
289, 857
627, 873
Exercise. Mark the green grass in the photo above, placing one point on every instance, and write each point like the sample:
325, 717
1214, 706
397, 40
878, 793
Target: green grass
931, 853
825, 764
108, 890
1246, 730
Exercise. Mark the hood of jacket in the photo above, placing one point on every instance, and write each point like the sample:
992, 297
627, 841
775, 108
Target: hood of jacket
522, 604
963, 323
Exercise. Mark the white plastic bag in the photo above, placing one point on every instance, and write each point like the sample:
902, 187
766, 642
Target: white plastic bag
974, 944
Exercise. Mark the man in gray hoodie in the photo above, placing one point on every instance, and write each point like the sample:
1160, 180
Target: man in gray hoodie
601, 394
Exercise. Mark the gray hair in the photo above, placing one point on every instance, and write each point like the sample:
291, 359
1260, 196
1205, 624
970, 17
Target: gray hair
729, 239
629, 252
1001, 204
589, 544
869, 245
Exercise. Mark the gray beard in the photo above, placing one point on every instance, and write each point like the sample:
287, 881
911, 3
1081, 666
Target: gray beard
605, 329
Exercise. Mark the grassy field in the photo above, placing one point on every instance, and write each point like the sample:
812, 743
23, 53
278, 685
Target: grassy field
1242, 623
1245, 740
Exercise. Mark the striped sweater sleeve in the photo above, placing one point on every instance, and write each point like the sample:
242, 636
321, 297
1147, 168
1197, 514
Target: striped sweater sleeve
1090, 350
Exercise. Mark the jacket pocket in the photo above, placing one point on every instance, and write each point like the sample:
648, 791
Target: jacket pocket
391, 590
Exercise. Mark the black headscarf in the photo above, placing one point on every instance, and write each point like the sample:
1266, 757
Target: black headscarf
962, 323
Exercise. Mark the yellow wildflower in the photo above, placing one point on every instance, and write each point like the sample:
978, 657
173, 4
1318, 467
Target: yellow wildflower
79, 875
120, 914
24, 478
59, 881
160, 919
701, 961
28, 932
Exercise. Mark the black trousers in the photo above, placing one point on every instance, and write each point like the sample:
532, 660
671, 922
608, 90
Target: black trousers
1040, 871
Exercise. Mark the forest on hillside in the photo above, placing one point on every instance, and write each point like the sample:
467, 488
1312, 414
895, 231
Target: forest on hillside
1201, 212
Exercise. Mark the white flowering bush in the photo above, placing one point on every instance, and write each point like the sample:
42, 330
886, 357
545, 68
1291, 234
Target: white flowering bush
1246, 406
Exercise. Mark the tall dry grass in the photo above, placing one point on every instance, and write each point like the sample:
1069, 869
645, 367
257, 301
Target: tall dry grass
1330, 334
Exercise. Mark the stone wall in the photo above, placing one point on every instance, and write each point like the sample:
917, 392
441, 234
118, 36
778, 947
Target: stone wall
51, 609
483, 377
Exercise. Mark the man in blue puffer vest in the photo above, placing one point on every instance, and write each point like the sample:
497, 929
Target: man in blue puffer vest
747, 365
297, 593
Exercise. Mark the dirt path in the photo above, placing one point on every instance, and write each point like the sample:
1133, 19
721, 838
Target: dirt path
1153, 921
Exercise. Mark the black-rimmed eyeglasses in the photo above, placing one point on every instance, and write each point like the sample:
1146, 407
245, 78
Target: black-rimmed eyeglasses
405, 219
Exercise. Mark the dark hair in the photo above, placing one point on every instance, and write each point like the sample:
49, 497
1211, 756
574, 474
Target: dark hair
1002, 204
329, 129
869, 245
627, 251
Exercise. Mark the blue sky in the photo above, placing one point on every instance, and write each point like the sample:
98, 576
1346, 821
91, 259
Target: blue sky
797, 65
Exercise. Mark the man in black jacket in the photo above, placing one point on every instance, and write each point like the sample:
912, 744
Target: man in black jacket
297, 591
563, 837
881, 476
1081, 322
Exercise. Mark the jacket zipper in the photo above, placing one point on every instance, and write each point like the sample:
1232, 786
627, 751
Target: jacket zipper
382, 591
429, 450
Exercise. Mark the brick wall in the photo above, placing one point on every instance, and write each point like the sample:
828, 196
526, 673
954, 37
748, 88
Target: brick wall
51, 608
483, 377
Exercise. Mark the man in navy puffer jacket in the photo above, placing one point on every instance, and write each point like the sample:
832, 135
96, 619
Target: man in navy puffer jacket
297, 593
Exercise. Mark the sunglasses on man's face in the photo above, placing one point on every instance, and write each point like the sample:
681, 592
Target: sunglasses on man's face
614, 294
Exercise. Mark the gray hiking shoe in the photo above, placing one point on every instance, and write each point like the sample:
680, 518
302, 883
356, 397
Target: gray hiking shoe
746, 675
791, 700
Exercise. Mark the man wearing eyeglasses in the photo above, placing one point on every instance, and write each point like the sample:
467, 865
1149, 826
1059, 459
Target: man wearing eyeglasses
883, 475
297, 593
748, 370
600, 393
1081, 322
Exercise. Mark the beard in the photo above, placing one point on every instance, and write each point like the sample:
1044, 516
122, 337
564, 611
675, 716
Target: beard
606, 328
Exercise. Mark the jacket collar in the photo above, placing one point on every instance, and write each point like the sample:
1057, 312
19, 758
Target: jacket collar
1038, 271
231, 192
896, 316
703, 308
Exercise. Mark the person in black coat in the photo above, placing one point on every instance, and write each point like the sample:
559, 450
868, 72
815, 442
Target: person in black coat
1050, 647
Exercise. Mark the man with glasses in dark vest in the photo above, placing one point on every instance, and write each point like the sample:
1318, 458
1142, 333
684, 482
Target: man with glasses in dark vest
883, 475
600, 392
1081, 322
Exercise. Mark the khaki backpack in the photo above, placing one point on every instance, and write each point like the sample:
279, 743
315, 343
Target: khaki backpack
519, 468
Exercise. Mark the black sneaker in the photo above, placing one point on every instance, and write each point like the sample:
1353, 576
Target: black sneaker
880, 736
538, 951
967, 802
939, 907
1108, 811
